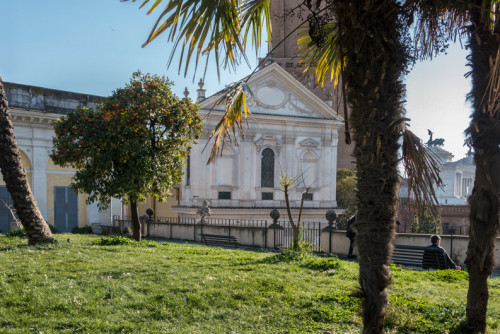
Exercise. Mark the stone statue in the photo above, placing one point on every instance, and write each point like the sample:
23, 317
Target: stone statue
430, 141
434, 142
203, 211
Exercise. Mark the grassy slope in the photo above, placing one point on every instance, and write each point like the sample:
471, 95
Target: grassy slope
173, 288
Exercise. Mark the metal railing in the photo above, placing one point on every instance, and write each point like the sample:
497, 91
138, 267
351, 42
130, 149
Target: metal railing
433, 229
310, 233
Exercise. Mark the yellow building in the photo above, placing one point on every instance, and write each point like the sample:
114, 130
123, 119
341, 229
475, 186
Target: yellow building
33, 111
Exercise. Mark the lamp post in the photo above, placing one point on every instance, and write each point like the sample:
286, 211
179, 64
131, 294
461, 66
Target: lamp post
452, 232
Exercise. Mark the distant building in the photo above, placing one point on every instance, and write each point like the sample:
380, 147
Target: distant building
458, 179
33, 110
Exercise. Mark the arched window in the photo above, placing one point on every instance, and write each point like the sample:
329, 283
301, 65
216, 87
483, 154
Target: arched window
267, 169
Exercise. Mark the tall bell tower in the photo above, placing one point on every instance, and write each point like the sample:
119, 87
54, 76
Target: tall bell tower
286, 16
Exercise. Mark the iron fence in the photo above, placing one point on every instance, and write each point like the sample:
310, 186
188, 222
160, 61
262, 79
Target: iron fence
433, 229
310, 232
235, 222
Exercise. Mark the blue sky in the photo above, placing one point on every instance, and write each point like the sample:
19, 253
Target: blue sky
94, 46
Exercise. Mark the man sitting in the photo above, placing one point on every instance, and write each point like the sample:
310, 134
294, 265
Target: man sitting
435, 256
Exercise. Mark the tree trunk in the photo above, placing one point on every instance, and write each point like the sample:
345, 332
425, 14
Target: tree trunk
136, 224
484, 134
295, 227
296, 237
375, 57
16, 181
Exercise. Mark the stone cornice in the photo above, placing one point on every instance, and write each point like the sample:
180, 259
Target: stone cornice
33, 117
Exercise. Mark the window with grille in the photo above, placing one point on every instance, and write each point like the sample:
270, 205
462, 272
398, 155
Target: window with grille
224, 195
267, 196
308, 197
267, 168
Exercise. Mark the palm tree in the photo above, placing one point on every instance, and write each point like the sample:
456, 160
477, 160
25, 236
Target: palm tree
370, 49
482, 23
371, 36
15, 178
484, 136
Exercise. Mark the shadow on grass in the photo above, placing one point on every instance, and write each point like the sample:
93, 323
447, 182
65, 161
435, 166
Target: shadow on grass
463, 328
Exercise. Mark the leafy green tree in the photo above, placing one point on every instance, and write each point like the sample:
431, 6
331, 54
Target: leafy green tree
133, 146
346, 194
426, 222
16, 181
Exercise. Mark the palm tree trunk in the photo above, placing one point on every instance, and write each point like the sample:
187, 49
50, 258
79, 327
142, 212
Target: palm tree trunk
484, 133
136, 224
375, 58
16, 181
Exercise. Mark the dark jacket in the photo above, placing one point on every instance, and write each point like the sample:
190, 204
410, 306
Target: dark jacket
350, 231
436, 257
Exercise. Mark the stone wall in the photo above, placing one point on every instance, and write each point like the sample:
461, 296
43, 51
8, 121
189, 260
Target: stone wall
456, 246
334, 242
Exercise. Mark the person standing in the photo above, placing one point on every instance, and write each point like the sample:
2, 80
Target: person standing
351, 234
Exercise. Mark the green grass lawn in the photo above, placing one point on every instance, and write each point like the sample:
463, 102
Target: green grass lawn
81, 287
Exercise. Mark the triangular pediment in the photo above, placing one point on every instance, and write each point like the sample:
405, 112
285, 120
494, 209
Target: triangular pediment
276, 92
309, 143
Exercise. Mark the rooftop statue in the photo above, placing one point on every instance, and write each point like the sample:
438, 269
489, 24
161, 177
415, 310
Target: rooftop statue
434, 142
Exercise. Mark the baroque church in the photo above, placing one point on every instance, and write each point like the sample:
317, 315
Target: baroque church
291, 132
294, 130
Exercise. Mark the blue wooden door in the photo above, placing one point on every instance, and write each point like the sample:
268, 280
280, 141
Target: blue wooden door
5, 215
65, 209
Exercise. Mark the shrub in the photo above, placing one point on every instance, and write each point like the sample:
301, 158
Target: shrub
322, 264
82, 230
20, 233
53, 229
119, 240
127, 230
449, 275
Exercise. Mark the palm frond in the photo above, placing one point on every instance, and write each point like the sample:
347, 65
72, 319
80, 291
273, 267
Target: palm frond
324, 62
201, 27
255, 16
491, 97
230, 125
436, 23
422, 170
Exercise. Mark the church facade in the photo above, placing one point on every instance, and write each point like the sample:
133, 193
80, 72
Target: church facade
290, 132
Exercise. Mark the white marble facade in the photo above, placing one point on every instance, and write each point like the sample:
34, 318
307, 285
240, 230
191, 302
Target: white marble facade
295, 129
458, 177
